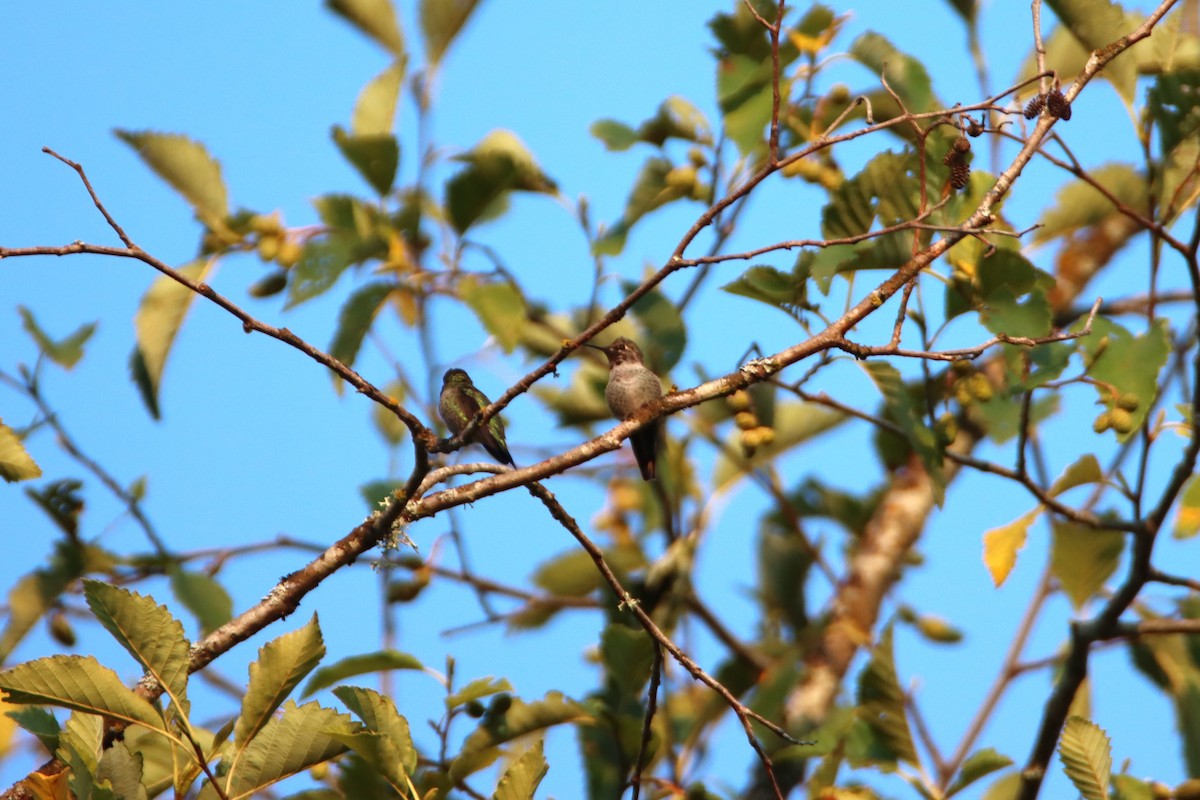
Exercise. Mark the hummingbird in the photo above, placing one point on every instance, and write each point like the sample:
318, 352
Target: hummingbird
458, 404
632, 385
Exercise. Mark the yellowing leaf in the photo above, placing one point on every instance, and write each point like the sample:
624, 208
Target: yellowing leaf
1083, 559
1087, 757
375, 18
187, 166
1085, 470
1187, 523
15, 463
499, 306
157, 323
1000, 545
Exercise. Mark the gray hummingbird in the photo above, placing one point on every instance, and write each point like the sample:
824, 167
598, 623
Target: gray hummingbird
632, 385
458, 404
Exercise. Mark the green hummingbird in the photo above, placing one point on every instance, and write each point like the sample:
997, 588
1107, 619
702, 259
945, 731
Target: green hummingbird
632, 385
458, 404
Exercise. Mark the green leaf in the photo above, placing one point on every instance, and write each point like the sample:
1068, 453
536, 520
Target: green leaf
323, 262
574, 574
15, 462
615, 135
79, 683
40, 722
204, 597
158, 320
1085, 470
500, 163
302, 737
628, 655
482, 747
1129, 364
1078, 204
1175, 108
379, 661
65, 352
499, 306
441, 21
651, 190
1096, 24
189, 169
1187, 522
122, 771
355, 319
523, 775
149, 633
375, 110
1127, 787
676, 118
766, 284
881, 702
978, 765
379, 715
39, 591
667, 335
966, 9
1087, 757
905, 74
1003, 280
375, 18
901, 408
282, 663
375, 156
480, 687
1083, 559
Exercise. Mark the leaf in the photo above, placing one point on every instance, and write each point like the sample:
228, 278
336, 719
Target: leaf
905, 74
1187, 523
65, 352
499, 306
355, 319
1003, 280
615, 135
189, 169
302, 737
979, 764
360, 665
1095, 24
122, 771
881, 701
282, 663
204, 597
480, 687
441, 21
523, 775
375, 156
157, 323
149, 633
79, 683
38, 721
1083, 559
667, 335
321, 264
628, 655
651, 190
500, 163
1001, 545
481, 747
1174, 107
766, 284
676, 118
39, 591
15, 462
574, 574
1087, 757
375, 110
901, 408
1077, 204
379, 715
1129, 364
375, 18
1085, 470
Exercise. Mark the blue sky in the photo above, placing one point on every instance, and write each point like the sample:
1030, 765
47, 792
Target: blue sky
254, 443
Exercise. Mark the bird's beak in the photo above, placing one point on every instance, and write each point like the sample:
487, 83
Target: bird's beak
596, 347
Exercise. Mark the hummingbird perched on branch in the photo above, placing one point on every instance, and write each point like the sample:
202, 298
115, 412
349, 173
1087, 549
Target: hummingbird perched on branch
632, 385
458, 404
